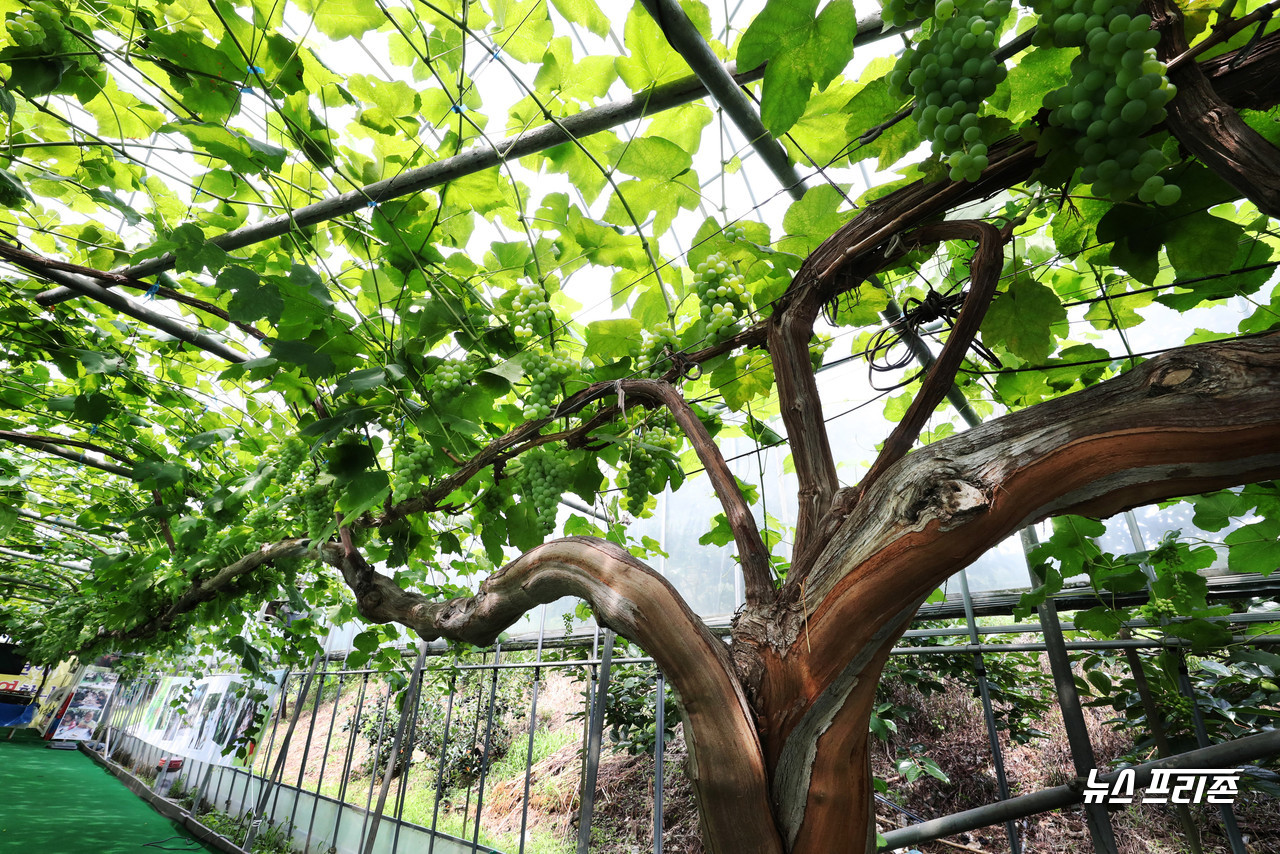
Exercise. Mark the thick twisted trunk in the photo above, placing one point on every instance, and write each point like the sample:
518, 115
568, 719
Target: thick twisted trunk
1192, 420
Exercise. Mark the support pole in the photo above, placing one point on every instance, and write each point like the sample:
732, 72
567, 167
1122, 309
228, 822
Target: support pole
278, 770
595, 735
660, 721
484, 754
533, 729
1229, 825
408, 710
984, 691
1096, 816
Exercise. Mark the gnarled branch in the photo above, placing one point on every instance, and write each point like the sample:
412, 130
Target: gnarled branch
758, 579
984, 268
637, 603
1210, 128
210, 588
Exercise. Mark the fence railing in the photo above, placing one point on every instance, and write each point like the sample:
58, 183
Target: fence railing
355, 761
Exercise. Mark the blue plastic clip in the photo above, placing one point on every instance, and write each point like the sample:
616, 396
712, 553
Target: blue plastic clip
246, 90
93, 429
153, 290
457, 108
373, 203
253, 69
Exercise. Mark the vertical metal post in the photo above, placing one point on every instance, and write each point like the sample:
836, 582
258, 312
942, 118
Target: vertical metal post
984, 690
533, 728
306, 748
377, 747
660, 722
407, 710
398, 812
595, 735
444, 750
346, 761
1163, 748
1185, 687
484, 754
324, 760
280, 757
1096, 816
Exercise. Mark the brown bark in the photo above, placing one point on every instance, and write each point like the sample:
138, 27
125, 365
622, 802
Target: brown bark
1210, 128
727, 768
1195, 419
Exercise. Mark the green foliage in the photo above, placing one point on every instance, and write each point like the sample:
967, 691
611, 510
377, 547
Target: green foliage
407, 327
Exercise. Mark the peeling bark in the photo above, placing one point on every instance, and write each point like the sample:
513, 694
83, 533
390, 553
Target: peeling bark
637, 603
1210, 128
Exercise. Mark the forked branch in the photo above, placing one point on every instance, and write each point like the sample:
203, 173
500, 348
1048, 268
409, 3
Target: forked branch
1210, 128
758, 579
984, 274
637, 603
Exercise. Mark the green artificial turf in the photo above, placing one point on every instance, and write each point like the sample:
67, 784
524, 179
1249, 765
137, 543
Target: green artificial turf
61, 802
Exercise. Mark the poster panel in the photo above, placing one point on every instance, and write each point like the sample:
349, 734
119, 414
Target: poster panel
87, 704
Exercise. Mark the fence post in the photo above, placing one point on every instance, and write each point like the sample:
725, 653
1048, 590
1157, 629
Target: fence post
408, 710
1187, 690
984, 691
533, 728
660, 722
281, 756
595, 734
1096, 816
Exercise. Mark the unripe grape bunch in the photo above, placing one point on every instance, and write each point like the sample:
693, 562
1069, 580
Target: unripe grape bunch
950, 74
899, 13
1116, 94
818, 348
657, 341
531, 314
287, 458
723, 293
452, 374
40, 26
411, 464
317, 505
649, 467
544, 476
545, 372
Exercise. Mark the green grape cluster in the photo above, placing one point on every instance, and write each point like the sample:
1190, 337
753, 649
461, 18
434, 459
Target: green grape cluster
287, 458
899, 13
950, 74
735, 233
1158, 609
317, 505
724, 297
650, 465
411, 465
452, 374
545, 371
530, 312
40, 26
545, 475
1116, 94
1180, 706
25, 29
818, 348
264, 523
657, 340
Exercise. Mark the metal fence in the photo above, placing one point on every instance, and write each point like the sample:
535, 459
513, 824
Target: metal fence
340, 767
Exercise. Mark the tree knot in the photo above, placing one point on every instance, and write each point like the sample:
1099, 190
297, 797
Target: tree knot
959, 498
1172, 376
